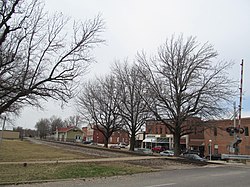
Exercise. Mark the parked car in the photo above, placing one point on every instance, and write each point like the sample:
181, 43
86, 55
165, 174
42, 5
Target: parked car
87, 142
194, 157
158, 149
122, 145
167, 153
144, 151
197, 152
214, 157
115, 147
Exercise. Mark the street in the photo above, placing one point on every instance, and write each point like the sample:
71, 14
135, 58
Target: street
228, 176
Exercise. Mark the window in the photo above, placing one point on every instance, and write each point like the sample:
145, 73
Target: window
160, 130
209, 149
216, 149
215, 131
149, 130
246, 131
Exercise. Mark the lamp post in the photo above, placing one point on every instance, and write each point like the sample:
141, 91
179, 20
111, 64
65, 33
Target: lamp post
210, 149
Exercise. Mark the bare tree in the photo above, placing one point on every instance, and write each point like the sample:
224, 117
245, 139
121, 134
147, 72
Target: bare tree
133, 109
55, 122
73, 121
43, 128
185, 81
38, 60
98, 105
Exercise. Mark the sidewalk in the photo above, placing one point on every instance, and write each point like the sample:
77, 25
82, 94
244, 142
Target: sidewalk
85, 160
228, 162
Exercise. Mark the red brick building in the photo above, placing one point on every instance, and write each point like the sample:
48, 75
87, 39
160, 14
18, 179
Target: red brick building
93, 134
158, 134
221, 141
205, 134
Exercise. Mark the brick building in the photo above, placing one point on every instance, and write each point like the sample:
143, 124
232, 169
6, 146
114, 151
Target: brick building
94, 135
204, 135
157, 134
221, 141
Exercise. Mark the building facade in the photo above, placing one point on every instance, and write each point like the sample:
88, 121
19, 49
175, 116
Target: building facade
69, 134
157, 134
8, 134
96, 136
219, 141
208, 138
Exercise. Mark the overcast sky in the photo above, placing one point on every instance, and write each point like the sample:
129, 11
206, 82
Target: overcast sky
135, 25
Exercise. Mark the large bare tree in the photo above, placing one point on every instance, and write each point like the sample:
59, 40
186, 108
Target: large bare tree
98, 104
40, 57
132, 108
184, 81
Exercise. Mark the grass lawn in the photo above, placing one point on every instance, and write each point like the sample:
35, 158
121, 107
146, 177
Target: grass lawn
14, 150
35, 172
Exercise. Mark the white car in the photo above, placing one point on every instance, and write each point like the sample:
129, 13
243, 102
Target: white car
167, 153
144, 151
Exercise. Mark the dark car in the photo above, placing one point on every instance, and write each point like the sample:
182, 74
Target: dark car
194, 157
192, 152
87, 142
158, 149
214, 157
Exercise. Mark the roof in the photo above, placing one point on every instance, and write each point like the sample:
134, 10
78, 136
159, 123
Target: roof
66, 129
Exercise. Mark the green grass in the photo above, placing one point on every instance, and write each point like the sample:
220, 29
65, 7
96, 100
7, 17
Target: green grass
22, 151
16, 150
17, 173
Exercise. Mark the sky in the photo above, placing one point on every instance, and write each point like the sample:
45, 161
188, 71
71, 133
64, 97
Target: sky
136, 25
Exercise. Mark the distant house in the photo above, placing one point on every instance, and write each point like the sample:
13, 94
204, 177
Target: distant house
11, 135
69, 134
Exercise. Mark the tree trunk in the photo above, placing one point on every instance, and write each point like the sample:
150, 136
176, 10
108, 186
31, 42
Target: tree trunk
132, 142
106, 141
177, 144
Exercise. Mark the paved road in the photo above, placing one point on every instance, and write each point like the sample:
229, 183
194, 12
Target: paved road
219, 176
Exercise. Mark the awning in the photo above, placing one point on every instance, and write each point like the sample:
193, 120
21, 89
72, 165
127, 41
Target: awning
155, 140
162, 140
150, 140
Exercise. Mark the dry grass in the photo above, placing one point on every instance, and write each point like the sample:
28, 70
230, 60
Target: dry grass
21, 151
34, 172
16, 150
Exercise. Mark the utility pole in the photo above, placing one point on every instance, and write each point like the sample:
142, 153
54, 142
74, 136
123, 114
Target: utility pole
4, 119
237, 129
241, 85
238, 138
